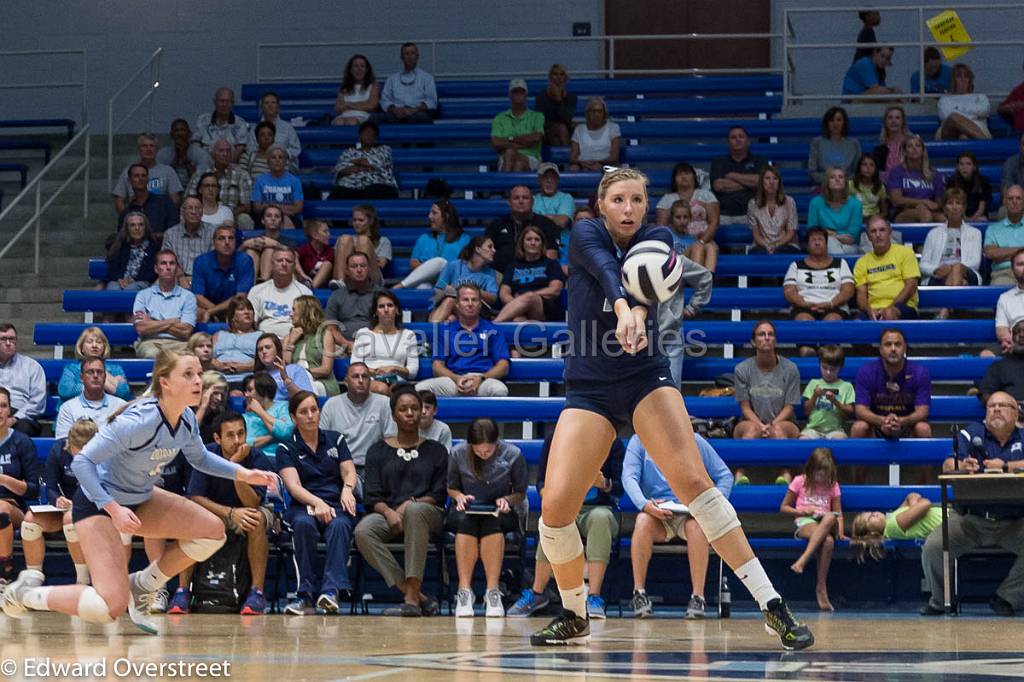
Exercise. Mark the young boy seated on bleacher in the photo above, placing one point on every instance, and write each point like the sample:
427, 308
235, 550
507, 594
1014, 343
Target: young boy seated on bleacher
828, 401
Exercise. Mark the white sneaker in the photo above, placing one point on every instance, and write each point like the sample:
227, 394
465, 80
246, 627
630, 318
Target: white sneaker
495, 609
140, 605
159, 604
14, 592
464, 603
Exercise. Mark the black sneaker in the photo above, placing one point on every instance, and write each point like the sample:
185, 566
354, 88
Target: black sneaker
562, 631
780, 620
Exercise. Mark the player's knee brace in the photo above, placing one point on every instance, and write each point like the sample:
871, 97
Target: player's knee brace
31, 531
714, 514
561, 545
92, 608
201, 549
70, 534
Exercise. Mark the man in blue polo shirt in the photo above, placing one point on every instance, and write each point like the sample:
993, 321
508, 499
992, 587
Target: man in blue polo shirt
219, 274
238, 505
164, 314
470, 354
995, 444
866, 76
894, 394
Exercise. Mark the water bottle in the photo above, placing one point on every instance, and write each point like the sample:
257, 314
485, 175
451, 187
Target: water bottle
725, 600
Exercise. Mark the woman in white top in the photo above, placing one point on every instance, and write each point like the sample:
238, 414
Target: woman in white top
952, 252
704, 214
359, 94
596, 143
215, 213
963, 113
389, 351
771, 216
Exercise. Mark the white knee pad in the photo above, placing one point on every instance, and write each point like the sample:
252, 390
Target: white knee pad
714, 513
126, 539
31, 531
561, 545
70, 534
92, 608
201, 549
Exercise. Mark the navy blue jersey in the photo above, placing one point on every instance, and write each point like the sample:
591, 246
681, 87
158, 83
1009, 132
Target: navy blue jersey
18, 460
175, 475
60, 479
595, 283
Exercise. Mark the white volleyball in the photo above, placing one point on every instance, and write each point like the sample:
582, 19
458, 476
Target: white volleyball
652, 272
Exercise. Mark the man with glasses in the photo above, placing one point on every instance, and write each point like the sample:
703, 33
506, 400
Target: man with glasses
219, 274
995, 444
24, 378
162, 178
189, 239
92, 403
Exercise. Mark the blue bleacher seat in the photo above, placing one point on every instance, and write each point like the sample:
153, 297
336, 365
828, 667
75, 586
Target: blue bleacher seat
20, 142
67, 123
584, 87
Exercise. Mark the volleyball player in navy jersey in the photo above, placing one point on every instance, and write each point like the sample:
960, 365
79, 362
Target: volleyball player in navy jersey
615, 372
116, 473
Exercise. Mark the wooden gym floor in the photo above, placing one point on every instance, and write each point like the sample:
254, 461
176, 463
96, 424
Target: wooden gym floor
850, 646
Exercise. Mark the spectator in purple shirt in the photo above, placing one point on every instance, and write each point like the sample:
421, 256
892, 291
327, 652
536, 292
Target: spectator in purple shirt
914, 187
893, 394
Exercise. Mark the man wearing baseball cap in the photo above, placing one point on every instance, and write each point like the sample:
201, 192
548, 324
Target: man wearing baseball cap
554, 205
516, 134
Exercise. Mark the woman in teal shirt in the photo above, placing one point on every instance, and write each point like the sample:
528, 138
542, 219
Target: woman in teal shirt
267, 422
838, 212
437, 248
472, 265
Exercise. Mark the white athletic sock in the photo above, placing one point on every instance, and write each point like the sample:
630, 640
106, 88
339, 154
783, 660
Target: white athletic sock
37, 598
151, 578
575, 599
81, 574
34, 567
756, 581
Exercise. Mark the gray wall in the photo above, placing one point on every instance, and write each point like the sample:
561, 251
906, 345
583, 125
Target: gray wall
997, 69
207, 44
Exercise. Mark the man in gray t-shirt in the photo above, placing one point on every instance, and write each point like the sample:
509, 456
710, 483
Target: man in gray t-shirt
349, 306
162, 179
362, 417
767, 387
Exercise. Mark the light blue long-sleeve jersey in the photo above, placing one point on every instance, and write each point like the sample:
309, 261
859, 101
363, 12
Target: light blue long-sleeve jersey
643, 480
125, 459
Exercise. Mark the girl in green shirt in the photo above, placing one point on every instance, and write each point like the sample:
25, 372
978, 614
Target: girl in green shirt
915, 519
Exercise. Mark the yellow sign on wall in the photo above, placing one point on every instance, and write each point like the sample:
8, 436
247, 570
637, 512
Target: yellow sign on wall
946, 27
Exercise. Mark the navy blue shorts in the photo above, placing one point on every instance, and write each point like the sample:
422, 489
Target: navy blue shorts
83, 507
615, 400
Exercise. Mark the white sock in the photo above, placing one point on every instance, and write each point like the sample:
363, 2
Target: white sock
36, 598
575, 599
151, 578
35, 567
81, 574
757, 583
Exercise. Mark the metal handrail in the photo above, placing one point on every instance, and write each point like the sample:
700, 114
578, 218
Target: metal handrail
36, 85
790, 47
153, 64
429, 46
36, 185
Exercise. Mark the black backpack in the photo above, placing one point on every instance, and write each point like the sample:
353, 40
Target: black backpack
221, 583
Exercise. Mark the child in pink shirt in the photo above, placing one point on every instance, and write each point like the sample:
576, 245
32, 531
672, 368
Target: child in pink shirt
813, 500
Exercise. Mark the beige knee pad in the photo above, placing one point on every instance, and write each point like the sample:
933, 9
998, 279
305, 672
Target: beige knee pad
31, 531
561, 545
201, 549
714, 514
70, 534
92, 608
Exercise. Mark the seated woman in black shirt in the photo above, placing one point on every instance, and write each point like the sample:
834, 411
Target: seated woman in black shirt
532, 285
483, 472
61, 485
317, 469
404, 493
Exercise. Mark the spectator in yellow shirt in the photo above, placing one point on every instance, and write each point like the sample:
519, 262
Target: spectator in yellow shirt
887, 276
